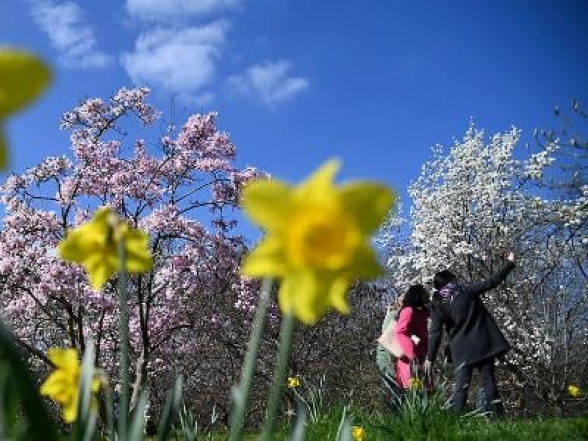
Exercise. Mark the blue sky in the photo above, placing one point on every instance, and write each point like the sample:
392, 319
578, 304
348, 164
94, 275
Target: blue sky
376, 83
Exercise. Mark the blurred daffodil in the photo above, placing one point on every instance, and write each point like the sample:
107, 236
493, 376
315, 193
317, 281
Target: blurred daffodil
415, 383
358, 433
22, 79
574, 391
62, 385
317, 238
293, 382
94, 246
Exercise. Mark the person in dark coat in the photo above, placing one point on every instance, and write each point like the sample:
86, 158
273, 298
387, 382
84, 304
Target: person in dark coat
474, 337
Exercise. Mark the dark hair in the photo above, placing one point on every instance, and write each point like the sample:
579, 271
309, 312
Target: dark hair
416, 297
442, 278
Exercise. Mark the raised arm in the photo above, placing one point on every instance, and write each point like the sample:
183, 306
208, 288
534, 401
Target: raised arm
494, 280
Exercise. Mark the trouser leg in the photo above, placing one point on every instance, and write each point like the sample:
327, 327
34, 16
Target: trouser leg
463, 377
488, 377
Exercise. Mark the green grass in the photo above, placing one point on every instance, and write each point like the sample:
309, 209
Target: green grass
439, 425
443, 426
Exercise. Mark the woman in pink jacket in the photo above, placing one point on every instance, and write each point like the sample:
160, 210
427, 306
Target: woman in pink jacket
412, 322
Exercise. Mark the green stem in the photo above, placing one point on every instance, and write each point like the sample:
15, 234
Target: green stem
123, 408
241, 393
279, 376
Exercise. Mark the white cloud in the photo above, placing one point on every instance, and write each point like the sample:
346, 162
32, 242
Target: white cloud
269, 81
161, 10
69, 33
180, 60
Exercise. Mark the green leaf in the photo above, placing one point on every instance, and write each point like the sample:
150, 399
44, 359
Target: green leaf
6, 401
170, 409
138, 420
190, 424
344, 430
86, 422
300, 423
32, 403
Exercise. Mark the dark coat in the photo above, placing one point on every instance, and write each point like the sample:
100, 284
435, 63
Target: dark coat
473, 333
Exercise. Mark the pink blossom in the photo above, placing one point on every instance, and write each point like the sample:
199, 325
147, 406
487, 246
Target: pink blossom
166, 188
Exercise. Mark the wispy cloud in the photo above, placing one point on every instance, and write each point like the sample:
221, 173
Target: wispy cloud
180, 60
69, 33
268, 81
162, 10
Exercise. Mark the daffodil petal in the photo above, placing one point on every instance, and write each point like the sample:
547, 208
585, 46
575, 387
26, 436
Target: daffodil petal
70, 410
266, 259
100, 268
368, 203
138, 257
305, 295
312, 301
78, 243
319, 185
55, 384
365, 265
22, 78
338, 294
100, 274
86, 238
268, 202
64, 358
287, 295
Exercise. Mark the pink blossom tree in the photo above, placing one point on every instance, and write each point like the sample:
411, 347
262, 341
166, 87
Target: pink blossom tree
159, 186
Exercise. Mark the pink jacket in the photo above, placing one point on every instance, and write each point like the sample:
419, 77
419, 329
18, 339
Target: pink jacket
411, 321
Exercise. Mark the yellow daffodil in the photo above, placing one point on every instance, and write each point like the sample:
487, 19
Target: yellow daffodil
358, 433
317, 239
94, 245
22, 78
293, 382
62, 385
415, 383
574, 391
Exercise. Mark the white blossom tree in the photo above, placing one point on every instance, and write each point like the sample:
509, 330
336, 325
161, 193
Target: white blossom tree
473, 202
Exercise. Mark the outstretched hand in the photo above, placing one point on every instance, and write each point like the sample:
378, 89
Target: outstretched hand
511, 257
